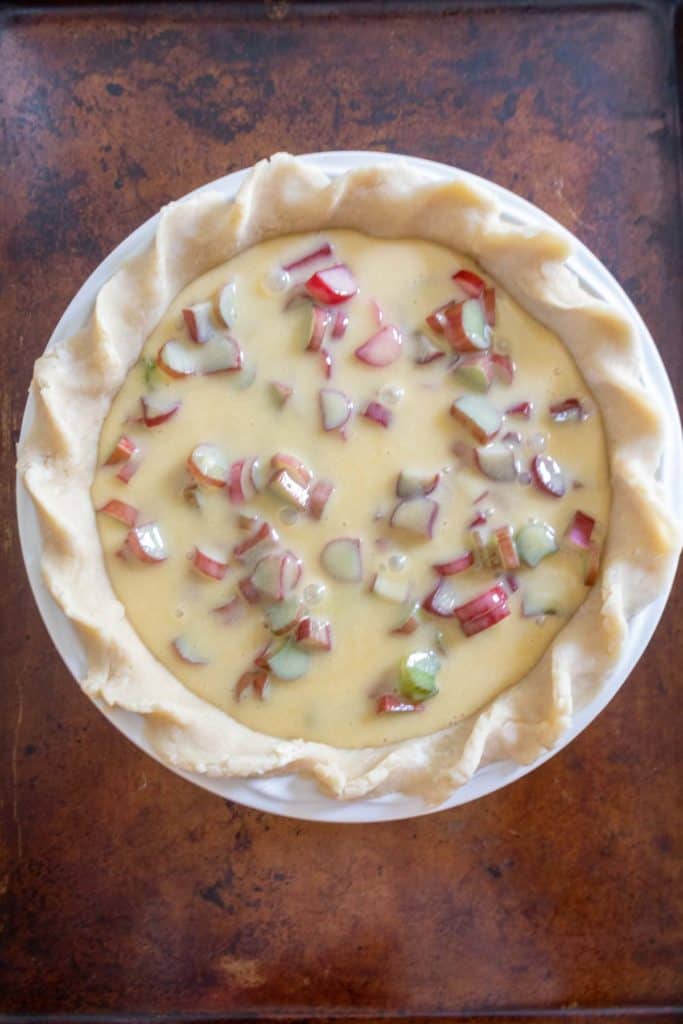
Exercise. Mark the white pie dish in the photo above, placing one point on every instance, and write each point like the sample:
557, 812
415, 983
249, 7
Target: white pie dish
293, 795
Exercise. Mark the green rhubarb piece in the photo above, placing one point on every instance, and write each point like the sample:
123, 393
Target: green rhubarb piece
535, 541
417, 675
289, 662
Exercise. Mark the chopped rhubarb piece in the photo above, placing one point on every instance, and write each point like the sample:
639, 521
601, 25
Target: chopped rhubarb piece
248, 520
580, 530
333, 285
535, 541
341, 322
466, 328
503, 367
129, 469
389, 588
318, 497
414, 485
327, 363
209, 563
280, 393
417, 675
489, 302
119, 510
478, 415
254, 679
378, 413
294, 466
548, 475
335, 408
382, 349
506, 549
484, 621
240, 481
259, 472
470, 283
455, 565
226, 303
377, 312
283, 616
497, 461
314, 634
248, 591
437, 319
199, 321
158, 407
409, 621
146, 542
592, 568
122, 451
417, 515
342, 559
475, 370
522, 410
289, 662
426, 351
322, 252
208, 464
316, 329
290, 490
220, 354
511, 583
482, 604
512, 437
391, 704
442, 601
257, 544
276, 575
231, 611
570, 409
188, 651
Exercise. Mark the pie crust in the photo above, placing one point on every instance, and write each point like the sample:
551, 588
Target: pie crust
74, 384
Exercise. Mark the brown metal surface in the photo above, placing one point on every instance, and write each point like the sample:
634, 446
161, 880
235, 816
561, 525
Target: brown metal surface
125, 889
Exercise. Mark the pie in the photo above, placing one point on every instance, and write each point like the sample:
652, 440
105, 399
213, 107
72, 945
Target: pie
349, 477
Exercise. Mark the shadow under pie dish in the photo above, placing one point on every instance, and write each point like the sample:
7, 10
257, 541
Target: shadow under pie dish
381, 464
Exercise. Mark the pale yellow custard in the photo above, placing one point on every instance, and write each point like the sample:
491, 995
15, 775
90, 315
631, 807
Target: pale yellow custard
336, 700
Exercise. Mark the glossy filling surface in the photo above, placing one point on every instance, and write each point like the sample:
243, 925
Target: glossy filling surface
393, 480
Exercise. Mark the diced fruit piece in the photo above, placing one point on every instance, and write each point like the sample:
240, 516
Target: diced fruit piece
341, 322
248, 520
409, 620
248, 591
522, 410
443, 600
255, 679
535, 541
280, 393
503, 367
425, 350
119, 510
382, 349
378, 413
318, 497
260, 474
241, 481
497, 461
319, 320
283, 616
188, 651
592, 568
480, 545
343, 560
483, 604
220, 354
314, 634
335, 408
417, 675
377, 312
289, 662
471, 283
231, 611
263, 539
391, 703
478, 415
199, 321
147, 543
327, 363
437, 319
570, 409
506, 550
489, 302
417, 515
548, 475
322, 252
333, 285
580, 530
226, 303
275, 576
512, 437
158, 407
208, 465
122, 451
210, 563
487, 619
290, 490
414, 485
295, 467
466, 328
511, 583
389, 588
455, 565
475, 370
129, 468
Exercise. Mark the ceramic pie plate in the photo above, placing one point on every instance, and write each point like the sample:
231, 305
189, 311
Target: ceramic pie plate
292, 795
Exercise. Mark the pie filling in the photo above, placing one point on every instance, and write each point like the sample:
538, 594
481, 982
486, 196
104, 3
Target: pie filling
351, 491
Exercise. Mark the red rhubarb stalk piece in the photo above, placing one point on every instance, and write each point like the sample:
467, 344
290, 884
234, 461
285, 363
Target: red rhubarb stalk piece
390, 703
489, 303
341, 322
255, 679
378, 413
122, 451
208, 564
477, 625
580, 530
322, 252
199, 321
129, 469
548, 475
482, 604
382, 349
522, 410
319, 495
122, 512
332, 285
455, 565
470, 283
570, 409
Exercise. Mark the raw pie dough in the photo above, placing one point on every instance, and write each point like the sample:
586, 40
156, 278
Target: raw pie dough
191, 726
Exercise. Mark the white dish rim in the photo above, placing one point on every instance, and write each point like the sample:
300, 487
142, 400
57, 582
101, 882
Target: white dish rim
290, 795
